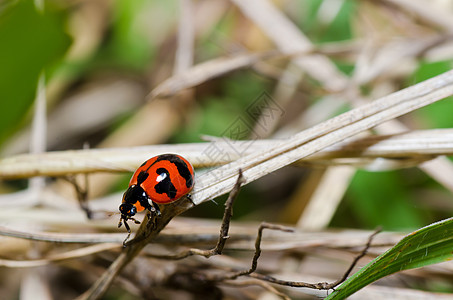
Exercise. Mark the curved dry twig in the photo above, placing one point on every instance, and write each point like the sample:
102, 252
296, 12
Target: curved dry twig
317, 286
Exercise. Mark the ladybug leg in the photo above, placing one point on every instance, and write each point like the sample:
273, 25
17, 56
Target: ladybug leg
126, 225
120, 222
157, 209
124, 220
152, 207
127, 228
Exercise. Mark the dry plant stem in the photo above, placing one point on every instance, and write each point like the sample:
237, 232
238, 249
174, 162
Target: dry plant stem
357, 258
245, 233
148, 230
227, 216
317, 286
207, 70
71, 254
224, 229
288, 39
260, 283
323, 135
82, 193
418, 144
143, 236
185, 51
257, 254
38, 143
434, 15
59, 237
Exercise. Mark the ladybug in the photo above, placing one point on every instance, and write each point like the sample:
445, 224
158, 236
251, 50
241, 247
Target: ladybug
161, 179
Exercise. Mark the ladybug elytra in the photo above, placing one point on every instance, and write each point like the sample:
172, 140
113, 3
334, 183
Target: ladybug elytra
161, 179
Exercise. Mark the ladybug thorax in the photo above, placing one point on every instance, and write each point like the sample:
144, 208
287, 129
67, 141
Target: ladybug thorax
134, 194
135, 197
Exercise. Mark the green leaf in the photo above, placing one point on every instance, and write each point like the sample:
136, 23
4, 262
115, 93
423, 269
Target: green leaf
31, 40
429, 245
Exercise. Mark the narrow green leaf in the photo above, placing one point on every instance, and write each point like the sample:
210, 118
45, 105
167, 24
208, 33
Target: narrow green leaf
428, 245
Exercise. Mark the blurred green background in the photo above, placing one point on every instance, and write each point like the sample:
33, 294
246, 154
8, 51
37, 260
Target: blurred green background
140, 45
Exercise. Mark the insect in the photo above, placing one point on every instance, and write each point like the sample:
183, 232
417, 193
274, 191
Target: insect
161, 179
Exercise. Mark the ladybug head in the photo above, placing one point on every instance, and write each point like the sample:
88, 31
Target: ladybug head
127, 210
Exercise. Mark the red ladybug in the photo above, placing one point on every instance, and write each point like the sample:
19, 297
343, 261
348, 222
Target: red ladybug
161, 179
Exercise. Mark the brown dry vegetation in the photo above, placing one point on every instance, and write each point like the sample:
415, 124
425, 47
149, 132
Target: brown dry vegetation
191, 77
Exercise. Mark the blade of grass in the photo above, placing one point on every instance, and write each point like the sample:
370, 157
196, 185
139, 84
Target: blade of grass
429, 245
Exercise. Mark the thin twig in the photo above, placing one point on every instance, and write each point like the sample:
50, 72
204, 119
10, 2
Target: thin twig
256, 256
38, 143
81, 193
260, 283
224, 229
150, 226
71, 254
357, 258
82, 198
61, 237
319, 285
185, 50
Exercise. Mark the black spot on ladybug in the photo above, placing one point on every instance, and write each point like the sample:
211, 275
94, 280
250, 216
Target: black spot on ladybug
185, 173
165, 186
142, 177
143, 164
181, 165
